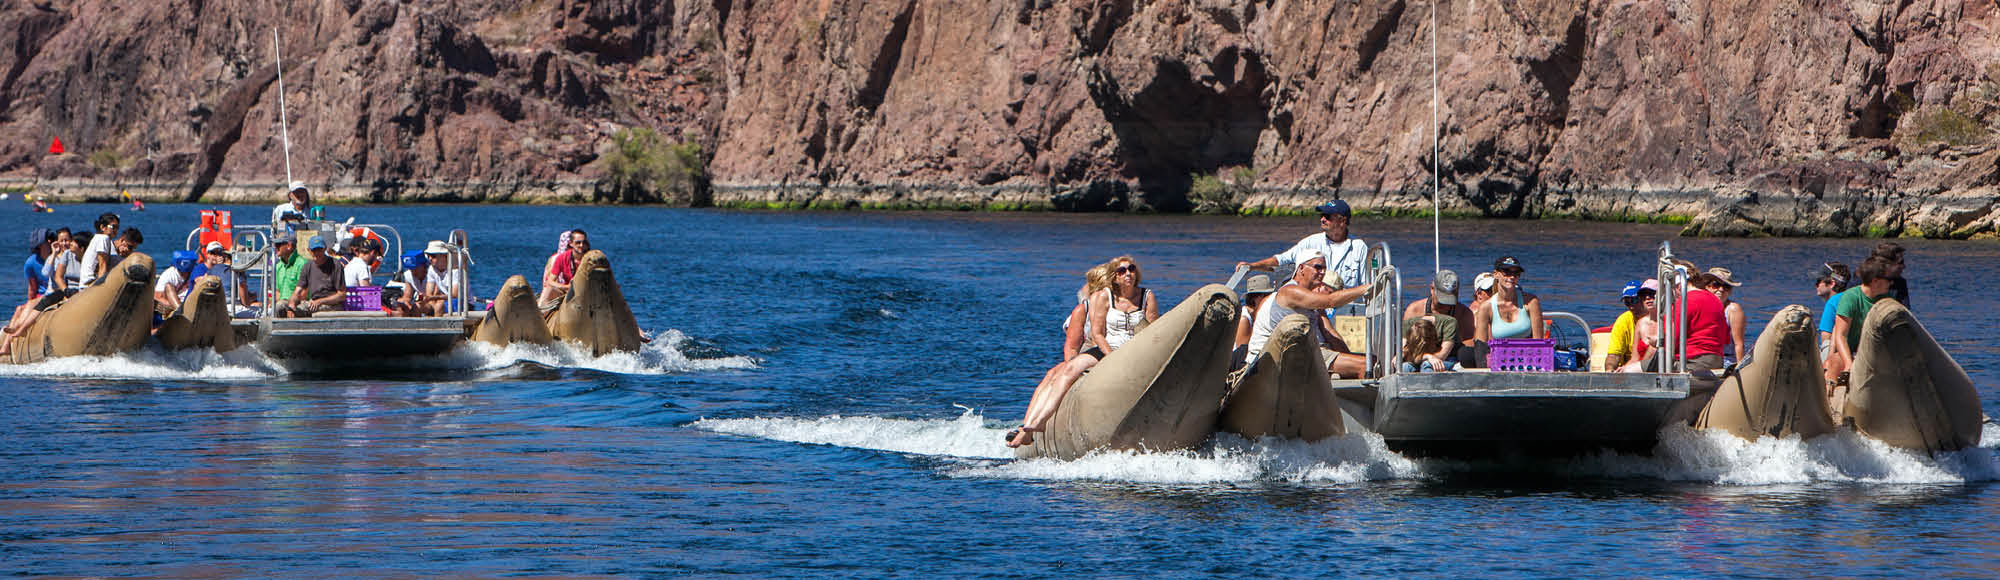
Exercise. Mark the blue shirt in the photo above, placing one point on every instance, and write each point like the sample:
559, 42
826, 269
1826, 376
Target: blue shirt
221, 271
34, 269
1826, 314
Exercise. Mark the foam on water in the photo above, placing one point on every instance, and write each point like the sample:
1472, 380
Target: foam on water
1683, 454
662, 356
154, 363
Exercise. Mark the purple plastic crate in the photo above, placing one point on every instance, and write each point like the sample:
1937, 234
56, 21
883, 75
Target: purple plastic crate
1522, 354
361, 298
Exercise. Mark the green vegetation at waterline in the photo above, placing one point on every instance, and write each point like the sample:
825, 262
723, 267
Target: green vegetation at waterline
643, 167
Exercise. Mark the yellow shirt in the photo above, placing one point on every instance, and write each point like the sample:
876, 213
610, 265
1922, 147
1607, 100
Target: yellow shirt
1621, 336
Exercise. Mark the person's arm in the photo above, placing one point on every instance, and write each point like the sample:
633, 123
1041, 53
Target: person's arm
1445, 346
59, 277
1073, 335
1483, 325
1842, 351
1265, 265
1735, 315
1152, 307
1538, 326
549, 275
1298, 298
168, 297
1100, 306
1245, 327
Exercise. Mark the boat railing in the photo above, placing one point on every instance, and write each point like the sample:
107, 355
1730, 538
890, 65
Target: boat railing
1670, 309
246, 257
1384, 312
390, 264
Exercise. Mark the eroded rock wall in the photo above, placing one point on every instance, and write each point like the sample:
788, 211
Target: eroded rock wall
1791, 117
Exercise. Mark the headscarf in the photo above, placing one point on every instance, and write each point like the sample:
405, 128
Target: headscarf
562, 242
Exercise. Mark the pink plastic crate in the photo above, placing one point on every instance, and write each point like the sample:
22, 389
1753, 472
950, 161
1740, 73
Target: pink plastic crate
1521, 354
361, 298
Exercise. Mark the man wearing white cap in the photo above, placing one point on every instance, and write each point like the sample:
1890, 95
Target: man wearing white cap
298, 200
1305, 294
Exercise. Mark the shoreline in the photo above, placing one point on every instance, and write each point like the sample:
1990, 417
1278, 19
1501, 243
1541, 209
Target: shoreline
1730, 212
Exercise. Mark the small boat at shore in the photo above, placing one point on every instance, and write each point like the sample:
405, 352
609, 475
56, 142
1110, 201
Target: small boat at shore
1161, 391
1286, 392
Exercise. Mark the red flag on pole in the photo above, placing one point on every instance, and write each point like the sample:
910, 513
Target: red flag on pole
55, 148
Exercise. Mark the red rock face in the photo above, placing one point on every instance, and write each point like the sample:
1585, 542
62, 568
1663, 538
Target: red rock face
1799, 118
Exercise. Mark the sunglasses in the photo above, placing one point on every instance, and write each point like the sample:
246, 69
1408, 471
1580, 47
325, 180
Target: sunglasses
1127, 268
1314, 266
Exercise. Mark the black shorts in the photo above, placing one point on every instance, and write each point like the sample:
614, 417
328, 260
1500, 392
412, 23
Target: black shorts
53, 298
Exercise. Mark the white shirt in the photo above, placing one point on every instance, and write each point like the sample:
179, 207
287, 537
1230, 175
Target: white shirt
99, 245
71, 274
278, 213
446, 284
1343, 259
171, 280
359, 273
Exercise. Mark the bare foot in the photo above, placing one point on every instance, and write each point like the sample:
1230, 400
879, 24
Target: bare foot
1021, 437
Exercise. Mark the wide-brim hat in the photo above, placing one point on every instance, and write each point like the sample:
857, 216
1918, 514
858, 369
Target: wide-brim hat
1724, 275
1258, 284
437, 247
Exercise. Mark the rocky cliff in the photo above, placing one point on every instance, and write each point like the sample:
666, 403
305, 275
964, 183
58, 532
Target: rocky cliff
1791, 117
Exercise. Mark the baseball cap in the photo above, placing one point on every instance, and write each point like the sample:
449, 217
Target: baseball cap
213, 248
184, 260
296, 185
37, 238
316, 243
414, 259
1507, 262
1632, 289
1446, 286
1484, 281
1334, 207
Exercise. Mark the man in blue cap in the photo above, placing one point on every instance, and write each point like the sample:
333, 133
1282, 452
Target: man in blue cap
320, 288
1343, 254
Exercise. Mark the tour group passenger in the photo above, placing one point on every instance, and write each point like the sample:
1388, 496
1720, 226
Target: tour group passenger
1309, 292
320, 288
561, 268
1852, 310
1725, 288
1632, 334
1116, 314
1508, 313
1706, 322
1256, 290
1828, 282
1452, 321
174, 282
286, 268
94, 262
298, 202
1343, 254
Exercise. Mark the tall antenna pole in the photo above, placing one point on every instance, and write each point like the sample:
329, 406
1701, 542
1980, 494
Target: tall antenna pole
1437, 239
284, 131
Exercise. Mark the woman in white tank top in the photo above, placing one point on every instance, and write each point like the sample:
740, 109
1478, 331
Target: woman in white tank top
1119, 310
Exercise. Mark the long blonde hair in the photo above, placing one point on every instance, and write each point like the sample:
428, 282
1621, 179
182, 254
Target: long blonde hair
1422, 339
1096, 278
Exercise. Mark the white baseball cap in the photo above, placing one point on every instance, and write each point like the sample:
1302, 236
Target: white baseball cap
296, 185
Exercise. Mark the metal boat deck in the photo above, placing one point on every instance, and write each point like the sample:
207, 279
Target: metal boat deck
354, 334
1526, 411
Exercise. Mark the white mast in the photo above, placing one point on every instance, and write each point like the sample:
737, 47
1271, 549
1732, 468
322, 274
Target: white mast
1437, 260
283, 131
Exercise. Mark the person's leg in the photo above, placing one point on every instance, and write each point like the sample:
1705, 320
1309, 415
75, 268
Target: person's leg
1040, 411
1346, 365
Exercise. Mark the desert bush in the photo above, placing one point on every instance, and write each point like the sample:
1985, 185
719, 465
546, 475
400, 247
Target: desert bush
644, 167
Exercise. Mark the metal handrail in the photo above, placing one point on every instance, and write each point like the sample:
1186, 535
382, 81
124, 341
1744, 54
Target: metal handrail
1671, 301
1384, 313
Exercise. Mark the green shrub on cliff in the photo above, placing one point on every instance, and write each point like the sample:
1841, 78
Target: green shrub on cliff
642, 167
1944, 125
1215, 196
107, 159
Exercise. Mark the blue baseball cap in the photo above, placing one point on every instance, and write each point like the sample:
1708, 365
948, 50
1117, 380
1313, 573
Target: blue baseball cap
1632, 289
184, 259
414, 259
1334, 207
317, 243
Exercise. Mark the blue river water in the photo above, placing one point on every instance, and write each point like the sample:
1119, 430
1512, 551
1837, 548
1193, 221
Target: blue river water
827, 396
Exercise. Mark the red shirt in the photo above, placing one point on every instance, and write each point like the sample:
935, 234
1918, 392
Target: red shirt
1708, 327
565, 268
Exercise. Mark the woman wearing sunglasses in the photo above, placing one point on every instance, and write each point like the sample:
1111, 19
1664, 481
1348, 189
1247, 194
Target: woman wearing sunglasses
1116, 314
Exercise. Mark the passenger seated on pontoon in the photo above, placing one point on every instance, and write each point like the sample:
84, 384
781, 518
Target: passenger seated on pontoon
1256, 291
174, 282
98, 248
1308, 294
320, 288
1829, 280
1452, 320
1509, 313
1116, 314
1421, 342
561, 268
286, 268
446, 275
41, 250
1078, 352
1854, 304
416, 275
216, 262
64, 274
360, 270
1632, 334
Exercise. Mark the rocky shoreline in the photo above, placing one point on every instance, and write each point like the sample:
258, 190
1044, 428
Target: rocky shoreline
1732, 212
